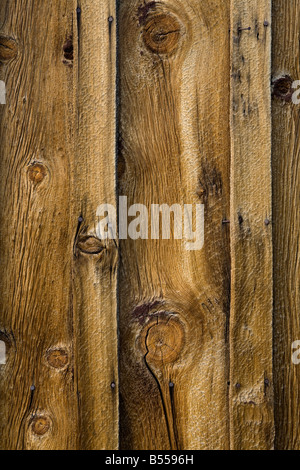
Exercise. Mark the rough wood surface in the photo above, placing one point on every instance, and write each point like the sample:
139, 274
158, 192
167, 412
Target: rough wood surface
95, 262
38, 393
286, 196
59, 386
251, 397
195, 327
174, 148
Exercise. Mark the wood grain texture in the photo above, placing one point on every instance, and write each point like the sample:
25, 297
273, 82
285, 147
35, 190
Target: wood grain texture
59, 386
286, 196
38, 407
95, 261
195, 327
174, 148
251, 396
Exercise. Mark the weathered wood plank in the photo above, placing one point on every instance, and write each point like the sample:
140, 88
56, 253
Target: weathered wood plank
46, 188
175, 148
251, 397
286, 196
95, 261
38, 407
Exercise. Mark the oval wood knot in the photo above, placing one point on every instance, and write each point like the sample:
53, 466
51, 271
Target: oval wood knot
37, 173
283, 88
161, 33
90, 245
68, 49
41, 425
8, 49
163, 339
57, 358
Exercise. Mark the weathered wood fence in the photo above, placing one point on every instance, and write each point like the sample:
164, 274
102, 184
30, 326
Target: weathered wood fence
141, 344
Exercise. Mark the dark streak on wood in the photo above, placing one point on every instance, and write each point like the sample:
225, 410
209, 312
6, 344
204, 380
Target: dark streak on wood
144, 10
78, 15
141, 312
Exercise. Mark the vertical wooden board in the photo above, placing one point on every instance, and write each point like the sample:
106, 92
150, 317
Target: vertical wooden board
38, 407
95, 261
174, 148
251, 397
286, 196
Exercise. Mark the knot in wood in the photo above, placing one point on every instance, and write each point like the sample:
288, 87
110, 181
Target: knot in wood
283, 88
164, 339
57, 358
90, 245
8, 49
161, 33
68, 49
37, 173
41, 425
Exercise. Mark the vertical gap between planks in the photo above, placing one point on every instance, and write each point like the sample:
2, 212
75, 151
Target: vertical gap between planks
117, 9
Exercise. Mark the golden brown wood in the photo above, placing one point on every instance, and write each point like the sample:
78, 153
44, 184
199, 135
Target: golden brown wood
58, 286
251, 397
195, 357
38, 407
286, 196
174, 148
95, 261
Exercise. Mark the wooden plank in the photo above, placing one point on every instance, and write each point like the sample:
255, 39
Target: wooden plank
95, 261
174, 148
286, 195
38, 407
251, 397
50, 374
